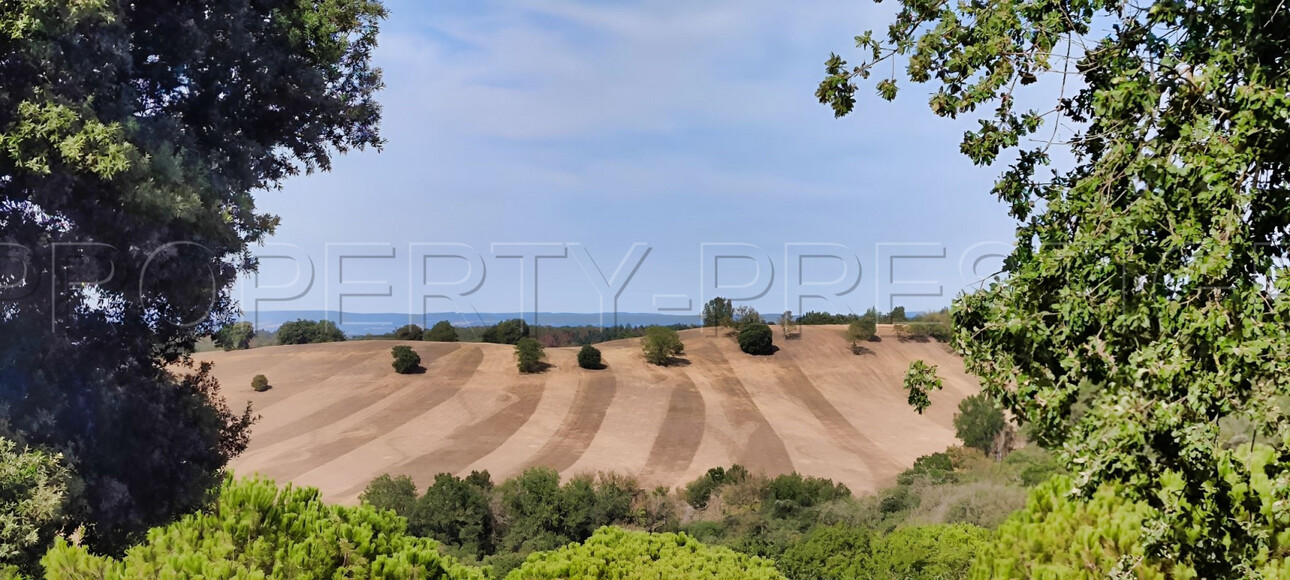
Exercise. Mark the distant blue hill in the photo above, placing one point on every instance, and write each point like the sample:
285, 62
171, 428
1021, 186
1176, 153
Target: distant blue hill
356, 323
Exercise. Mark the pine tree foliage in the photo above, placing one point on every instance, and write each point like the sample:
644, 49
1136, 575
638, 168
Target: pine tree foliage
622, 555
257, 530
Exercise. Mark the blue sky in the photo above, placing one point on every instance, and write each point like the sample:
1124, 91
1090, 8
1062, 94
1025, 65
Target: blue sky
579, 129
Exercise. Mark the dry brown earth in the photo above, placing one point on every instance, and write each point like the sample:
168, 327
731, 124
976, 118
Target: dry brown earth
338, 415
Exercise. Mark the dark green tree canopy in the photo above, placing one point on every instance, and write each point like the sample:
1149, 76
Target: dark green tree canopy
589, 357
236, 336
309, 332
978, 422
143, 129
1147, 275
442, 331
406, 360
757, 339
718, 312
408, 332
507, 331
529, 354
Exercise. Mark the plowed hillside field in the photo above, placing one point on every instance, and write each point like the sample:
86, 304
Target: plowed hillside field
338, 415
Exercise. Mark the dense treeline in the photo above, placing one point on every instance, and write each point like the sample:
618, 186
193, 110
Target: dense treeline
309, 332
241, 335
501, 524
511, 331
941, 511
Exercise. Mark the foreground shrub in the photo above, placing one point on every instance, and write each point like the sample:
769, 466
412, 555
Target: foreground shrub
408, 332
442, 331
616, 553
529, 354
661, 344
260, 383
33, 491
913, 553
757, 338
589, 357
257, 530
1057, 536
406, 360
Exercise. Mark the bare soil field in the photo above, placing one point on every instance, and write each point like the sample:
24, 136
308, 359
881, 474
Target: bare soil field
338, 415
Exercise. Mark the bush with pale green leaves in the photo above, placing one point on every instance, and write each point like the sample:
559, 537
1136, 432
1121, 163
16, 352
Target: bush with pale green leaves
33, 490
258, 530
615, 553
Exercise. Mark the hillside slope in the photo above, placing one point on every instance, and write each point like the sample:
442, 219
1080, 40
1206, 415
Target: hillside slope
338, 415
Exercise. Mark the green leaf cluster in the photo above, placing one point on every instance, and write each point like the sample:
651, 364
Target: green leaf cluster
33, 492
757, 339
529, 354
406, 360
409, 332
661, 345
309, 332
1147, 287
442, 331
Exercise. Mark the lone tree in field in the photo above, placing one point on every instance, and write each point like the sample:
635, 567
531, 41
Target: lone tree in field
529, 354
787, 324
236, 336
863, 328
757, 339
718, 312
442, 331
406, 360
1148, 280
408, 332
147, 128
979, 422
589, 357
259, 383
661, 344
746, 316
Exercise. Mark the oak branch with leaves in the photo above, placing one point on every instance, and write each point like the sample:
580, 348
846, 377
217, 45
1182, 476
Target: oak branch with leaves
1145, 283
